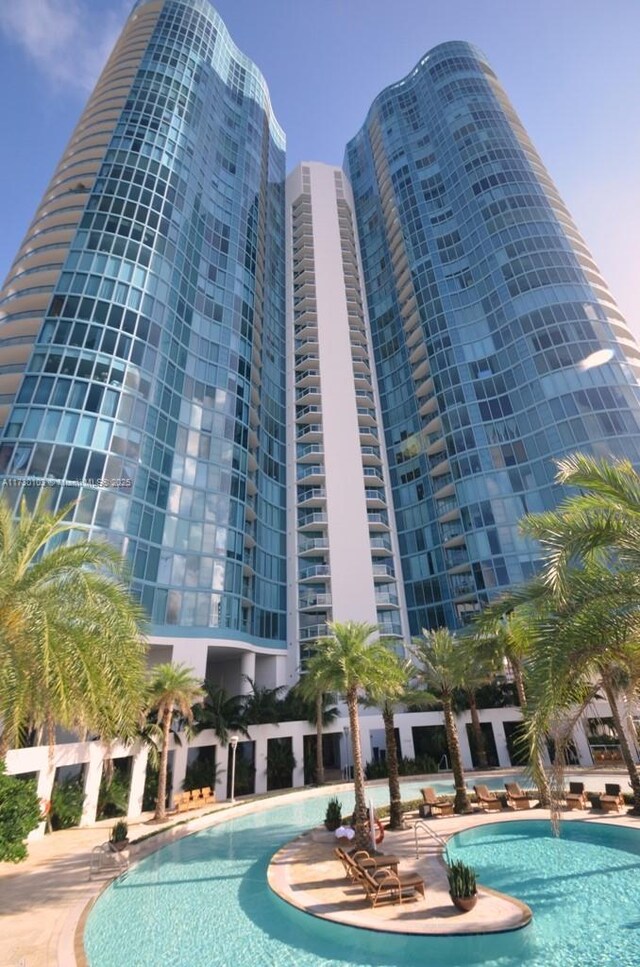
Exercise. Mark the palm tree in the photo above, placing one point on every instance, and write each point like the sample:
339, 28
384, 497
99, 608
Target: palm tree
477, 670
71, 651
172, 690
440, 672
586, 642
601, 522
386, 697
346, 662
220, 711
597, 531
507, 631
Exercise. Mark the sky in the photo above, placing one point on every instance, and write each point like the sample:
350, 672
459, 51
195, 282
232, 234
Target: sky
570, 67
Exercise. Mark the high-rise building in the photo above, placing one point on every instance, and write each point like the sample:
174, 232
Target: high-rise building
348, 428
142, 338
497, 344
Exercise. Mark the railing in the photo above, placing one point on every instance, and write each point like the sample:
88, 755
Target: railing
421, 825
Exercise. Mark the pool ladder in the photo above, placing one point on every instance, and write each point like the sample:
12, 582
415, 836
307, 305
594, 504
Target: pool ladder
421, 825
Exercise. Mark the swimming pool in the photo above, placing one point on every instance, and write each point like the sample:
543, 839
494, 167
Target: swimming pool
204, 901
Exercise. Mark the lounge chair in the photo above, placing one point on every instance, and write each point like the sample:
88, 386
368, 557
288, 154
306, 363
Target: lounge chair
612, 799
487, 799
208, 795
516, 797
384, 885
365, 861
433, 805
576, 798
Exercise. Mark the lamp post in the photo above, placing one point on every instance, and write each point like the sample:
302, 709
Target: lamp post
233, 742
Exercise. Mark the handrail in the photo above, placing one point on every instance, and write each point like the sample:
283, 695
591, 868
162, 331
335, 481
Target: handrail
443, 758
420, 824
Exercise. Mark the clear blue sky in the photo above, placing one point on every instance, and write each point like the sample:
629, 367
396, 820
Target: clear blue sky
571, 68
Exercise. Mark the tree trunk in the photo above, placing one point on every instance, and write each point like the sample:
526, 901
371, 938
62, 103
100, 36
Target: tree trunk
461, 804
161, 809
319, 749
478, 734
516, 668
627, 754
362, 839
537, 762
395, 799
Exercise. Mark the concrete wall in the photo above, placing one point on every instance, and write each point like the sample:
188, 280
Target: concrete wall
44, 762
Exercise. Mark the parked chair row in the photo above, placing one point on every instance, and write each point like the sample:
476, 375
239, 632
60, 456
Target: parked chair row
516, 798
611, 800
194, 799
379, 878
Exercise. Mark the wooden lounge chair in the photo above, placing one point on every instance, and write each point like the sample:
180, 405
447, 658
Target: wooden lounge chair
362, 860
434, 805
208, 795
612, 800
487, 799
516, 798
183, 802
383, 885
576, 798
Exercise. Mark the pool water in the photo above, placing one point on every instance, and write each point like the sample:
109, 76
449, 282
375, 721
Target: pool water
204, 901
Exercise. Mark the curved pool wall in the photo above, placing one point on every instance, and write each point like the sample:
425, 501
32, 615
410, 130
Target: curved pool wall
205, 900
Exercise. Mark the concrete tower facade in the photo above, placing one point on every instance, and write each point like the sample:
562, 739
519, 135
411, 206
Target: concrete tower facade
341, 530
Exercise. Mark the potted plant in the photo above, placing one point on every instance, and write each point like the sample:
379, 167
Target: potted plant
333, 815
463, 888
119, 838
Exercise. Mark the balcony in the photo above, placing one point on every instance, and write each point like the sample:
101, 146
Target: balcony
314, 571
386, 599
381, 543
307, 544
308, 496
313, 632
383, 572
312, 472
311, 520
312, 601
306, 450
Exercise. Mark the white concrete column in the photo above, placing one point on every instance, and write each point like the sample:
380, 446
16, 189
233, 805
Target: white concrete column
365, 742
193, 653
138, 777
93, 775
44, 789
502, 749
222, 759
260, 761
463, 738
179, 767
406, 742
247, 670
579, 737
297, 745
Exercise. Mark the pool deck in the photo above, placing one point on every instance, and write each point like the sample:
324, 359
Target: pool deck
44, 900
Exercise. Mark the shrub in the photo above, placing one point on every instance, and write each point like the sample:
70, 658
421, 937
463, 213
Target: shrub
333, 814
19, 814
462, 879
119, 832
67, 801
422, 765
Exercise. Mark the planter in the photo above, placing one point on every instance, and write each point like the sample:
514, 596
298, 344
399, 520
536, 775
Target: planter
465, 903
